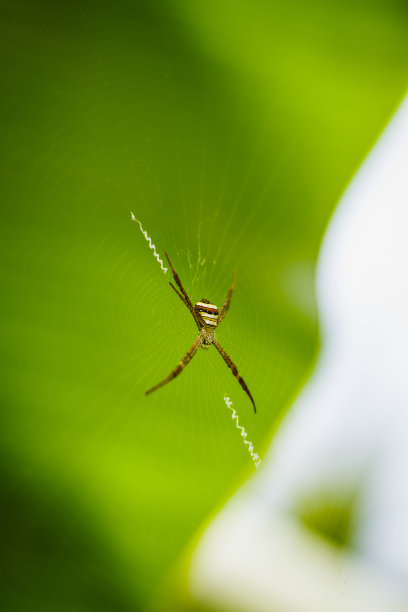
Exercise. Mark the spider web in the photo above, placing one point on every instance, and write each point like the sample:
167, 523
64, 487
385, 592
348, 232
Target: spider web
118, 109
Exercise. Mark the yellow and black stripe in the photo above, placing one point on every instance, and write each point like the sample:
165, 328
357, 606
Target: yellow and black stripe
208, 313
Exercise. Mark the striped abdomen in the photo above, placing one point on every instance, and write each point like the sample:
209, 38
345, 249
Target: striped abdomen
208, 312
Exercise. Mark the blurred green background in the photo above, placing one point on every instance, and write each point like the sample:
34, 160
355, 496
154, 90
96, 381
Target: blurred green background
230, 129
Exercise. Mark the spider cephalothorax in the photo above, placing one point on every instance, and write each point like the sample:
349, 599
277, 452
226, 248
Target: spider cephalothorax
207, 318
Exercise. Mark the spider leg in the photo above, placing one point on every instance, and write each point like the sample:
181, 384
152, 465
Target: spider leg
186, 299
178, 281
225, 306
234, 370
190, 309
181, 365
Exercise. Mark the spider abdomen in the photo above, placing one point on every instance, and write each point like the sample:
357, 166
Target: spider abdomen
208, 313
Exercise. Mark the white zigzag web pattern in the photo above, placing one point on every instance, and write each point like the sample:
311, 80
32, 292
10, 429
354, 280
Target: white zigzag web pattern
255, 457
149, 240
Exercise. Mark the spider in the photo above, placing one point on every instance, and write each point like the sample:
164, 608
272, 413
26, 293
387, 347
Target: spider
207, 319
